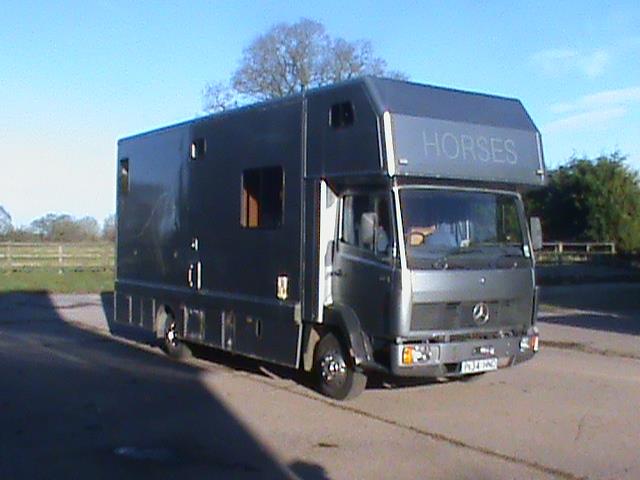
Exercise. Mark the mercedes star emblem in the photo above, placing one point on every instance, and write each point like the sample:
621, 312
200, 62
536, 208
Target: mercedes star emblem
480, 313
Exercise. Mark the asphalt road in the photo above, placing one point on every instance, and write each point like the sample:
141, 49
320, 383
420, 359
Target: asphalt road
79, 402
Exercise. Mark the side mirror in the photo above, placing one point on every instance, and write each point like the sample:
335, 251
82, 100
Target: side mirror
368, 222
536, 233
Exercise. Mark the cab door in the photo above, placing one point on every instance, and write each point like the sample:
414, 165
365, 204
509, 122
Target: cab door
362, 263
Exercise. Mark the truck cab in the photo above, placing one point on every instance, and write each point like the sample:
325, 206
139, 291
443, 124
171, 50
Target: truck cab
435, 263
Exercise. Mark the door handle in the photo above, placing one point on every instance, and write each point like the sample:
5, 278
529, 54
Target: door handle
190, 275
384, 278
336, 273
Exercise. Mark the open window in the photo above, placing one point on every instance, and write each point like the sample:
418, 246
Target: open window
366, 223
341, 115
123, 176
262, 198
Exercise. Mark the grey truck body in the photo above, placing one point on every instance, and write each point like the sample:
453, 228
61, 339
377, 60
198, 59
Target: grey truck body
242, 225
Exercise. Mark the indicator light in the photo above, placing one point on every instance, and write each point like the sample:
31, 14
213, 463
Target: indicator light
415, 354
530, 343
407, 355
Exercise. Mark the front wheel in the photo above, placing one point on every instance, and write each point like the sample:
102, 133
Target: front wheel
335, 372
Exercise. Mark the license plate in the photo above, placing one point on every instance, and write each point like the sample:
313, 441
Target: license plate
476, 366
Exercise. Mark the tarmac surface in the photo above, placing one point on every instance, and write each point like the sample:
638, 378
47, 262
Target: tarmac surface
77, 401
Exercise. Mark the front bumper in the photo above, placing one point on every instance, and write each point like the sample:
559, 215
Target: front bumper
445, 358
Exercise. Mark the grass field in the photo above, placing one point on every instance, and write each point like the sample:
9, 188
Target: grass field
56, 267
49, 255
70, 281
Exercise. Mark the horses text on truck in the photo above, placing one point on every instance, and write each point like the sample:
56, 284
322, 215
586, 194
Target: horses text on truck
370, 225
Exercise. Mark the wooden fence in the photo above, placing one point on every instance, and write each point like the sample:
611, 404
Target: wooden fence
575, 251
16, 256
593, 248
100, 256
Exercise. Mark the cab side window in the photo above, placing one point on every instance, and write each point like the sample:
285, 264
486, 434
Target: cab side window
366, 223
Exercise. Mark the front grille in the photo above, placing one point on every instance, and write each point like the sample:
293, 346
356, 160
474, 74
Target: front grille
459, 315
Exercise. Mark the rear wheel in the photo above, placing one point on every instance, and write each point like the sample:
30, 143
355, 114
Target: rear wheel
172, 346
335, 372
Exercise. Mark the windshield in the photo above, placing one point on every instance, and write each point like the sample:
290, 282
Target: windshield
461, 229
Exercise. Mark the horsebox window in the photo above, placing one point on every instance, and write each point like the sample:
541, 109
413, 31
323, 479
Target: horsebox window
341, 115
198, 148
262, 198
124, 176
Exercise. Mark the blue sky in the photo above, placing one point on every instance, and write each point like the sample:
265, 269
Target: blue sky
76, 76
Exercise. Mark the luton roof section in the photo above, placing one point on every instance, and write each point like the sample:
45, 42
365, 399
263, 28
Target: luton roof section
451, 134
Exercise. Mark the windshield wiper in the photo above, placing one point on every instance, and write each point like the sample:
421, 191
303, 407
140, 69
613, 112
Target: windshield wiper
442, 262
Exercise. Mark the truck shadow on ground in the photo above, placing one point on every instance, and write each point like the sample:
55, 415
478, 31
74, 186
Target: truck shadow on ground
613, 307
77, 404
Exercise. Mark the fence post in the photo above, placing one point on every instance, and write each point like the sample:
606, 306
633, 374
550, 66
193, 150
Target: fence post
60, 259
9, 257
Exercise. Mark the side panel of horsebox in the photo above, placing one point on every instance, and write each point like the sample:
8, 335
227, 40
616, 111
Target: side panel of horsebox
217, 233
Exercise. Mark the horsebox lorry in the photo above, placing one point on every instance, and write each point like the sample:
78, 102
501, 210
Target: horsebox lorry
372, 225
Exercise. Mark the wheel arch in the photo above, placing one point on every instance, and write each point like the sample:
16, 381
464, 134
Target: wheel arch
343, 321
163, 313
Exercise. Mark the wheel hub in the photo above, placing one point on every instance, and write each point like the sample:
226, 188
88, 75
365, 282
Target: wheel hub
333, 368
171, 335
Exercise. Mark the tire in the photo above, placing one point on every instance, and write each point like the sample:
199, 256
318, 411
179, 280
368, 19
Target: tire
335, 373
172, 346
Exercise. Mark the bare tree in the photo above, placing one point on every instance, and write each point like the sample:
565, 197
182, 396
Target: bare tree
21, 234
44, 227
285, 60
218, 97
88, 228
346, 60
109, 228
6, 227
65, 228
290, 58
